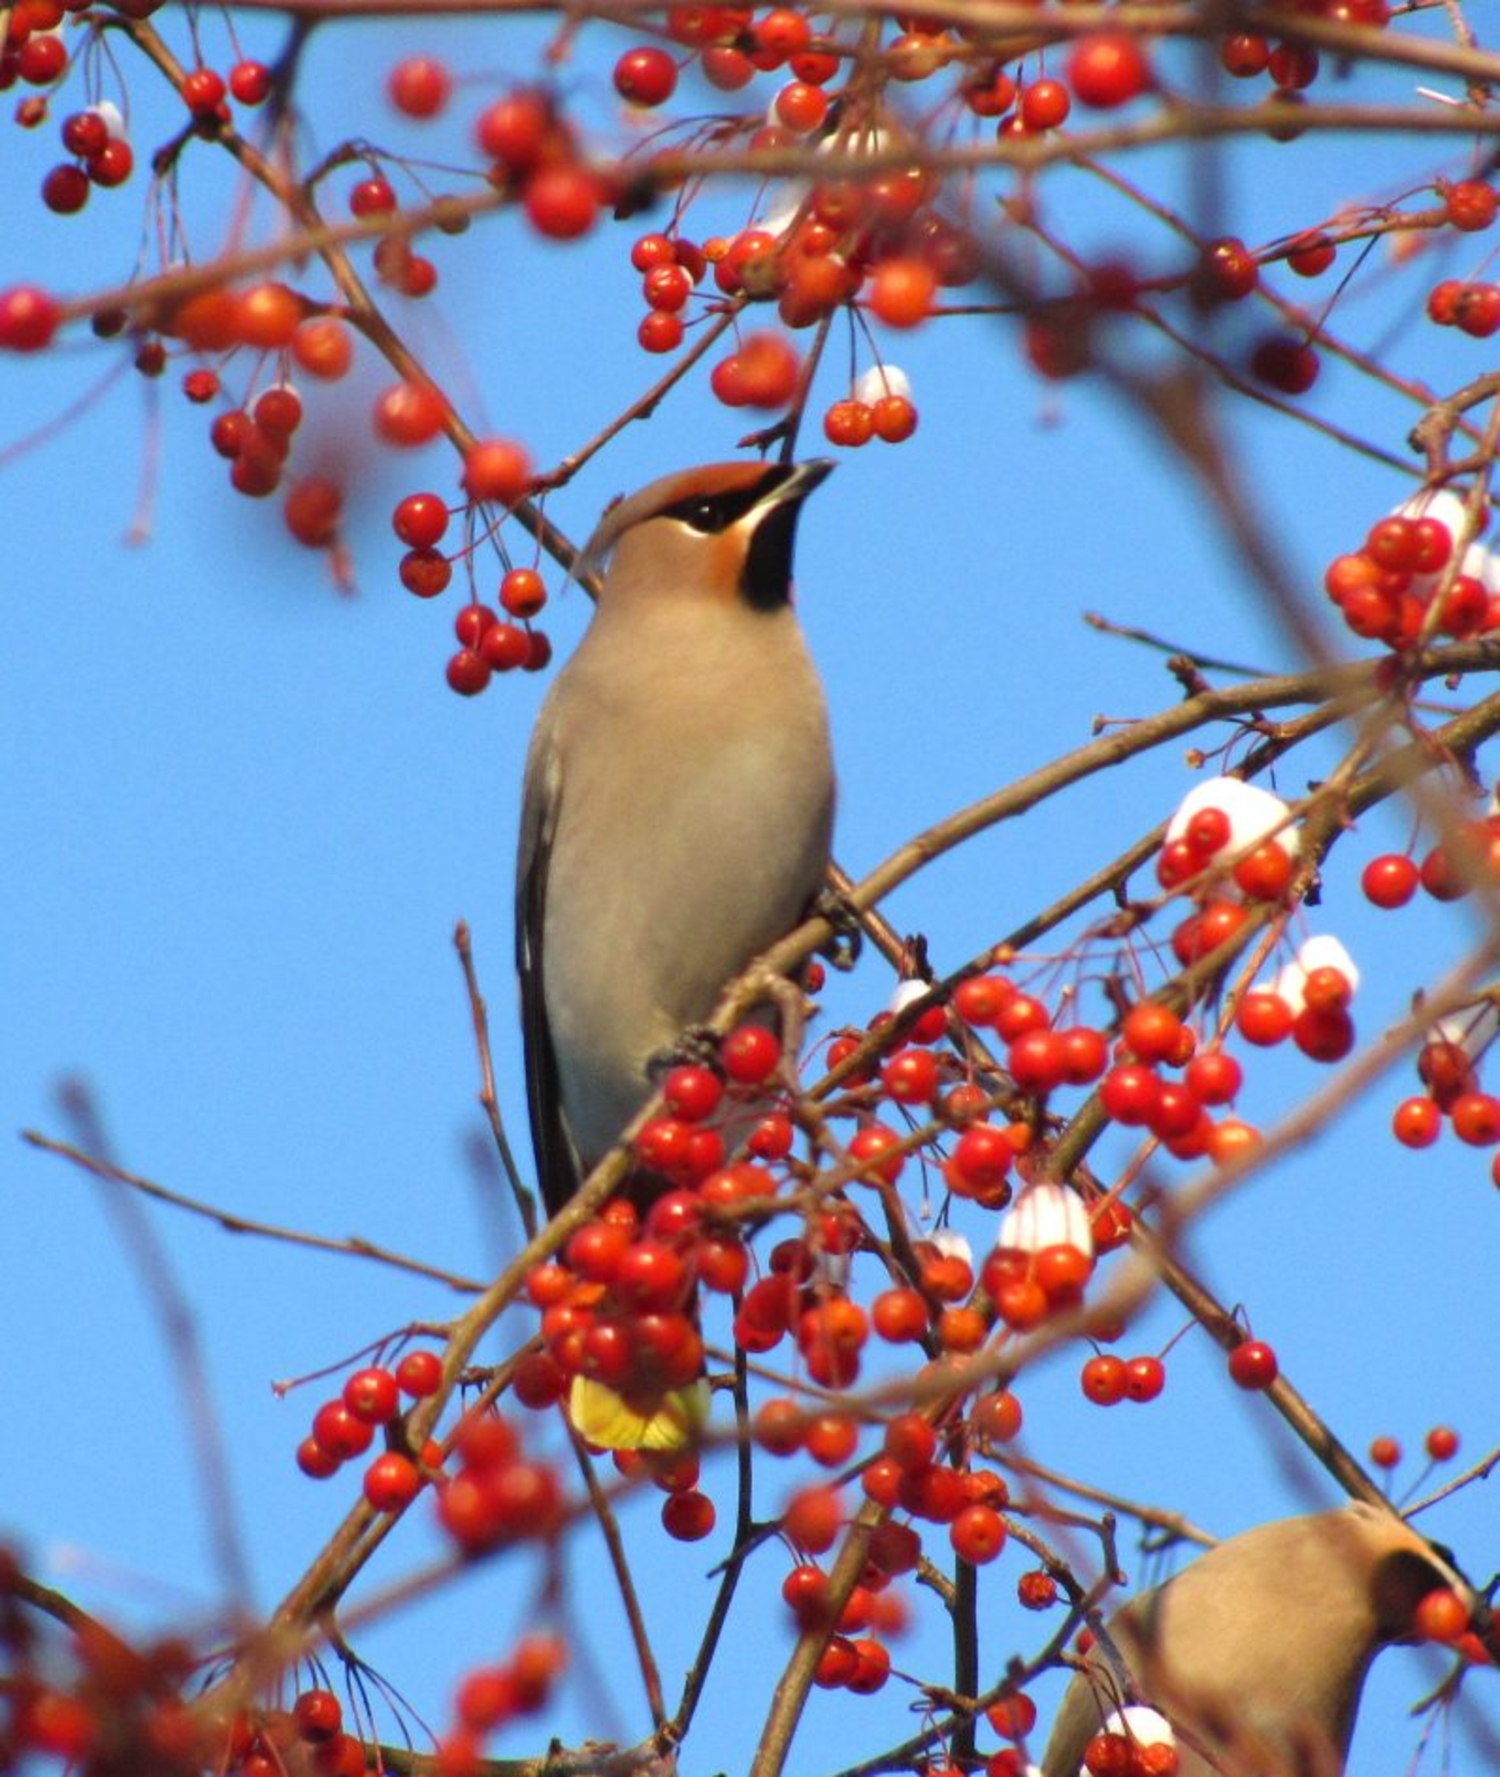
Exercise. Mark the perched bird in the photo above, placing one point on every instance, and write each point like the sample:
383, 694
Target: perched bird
676, 819
1257, 1652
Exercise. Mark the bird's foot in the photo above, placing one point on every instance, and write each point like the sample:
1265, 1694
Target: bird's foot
697, 1046
842, 948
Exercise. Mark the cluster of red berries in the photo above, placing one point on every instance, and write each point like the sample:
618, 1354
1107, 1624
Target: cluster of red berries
687, 1513
1451, 1077
491, 1696
497, 472
122, 1708
497, 1495
1122, 1755
1448, 1062
855, 1657
1396, 589
1472, 307
33, 51
1440, 1444
534, 152
100, 157
489, 1496
344, 1429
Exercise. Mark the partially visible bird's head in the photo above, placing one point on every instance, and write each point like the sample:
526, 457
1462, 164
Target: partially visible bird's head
722, 531
1406, 1566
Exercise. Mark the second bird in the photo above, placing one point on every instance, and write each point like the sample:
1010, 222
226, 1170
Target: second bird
677, 813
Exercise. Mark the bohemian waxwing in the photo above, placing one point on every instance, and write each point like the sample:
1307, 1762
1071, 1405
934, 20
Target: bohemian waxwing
676, 819
1257, 1652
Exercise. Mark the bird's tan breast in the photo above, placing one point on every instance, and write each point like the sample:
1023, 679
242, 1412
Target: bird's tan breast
698, 766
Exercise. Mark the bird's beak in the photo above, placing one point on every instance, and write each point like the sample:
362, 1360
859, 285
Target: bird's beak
801, 479
771, 525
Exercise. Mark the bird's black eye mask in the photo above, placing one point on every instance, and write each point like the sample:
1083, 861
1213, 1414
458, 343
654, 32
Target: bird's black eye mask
710, 513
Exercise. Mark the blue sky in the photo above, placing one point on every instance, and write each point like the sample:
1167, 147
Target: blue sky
244, 815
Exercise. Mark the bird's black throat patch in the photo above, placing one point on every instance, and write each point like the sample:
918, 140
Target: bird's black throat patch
766, 581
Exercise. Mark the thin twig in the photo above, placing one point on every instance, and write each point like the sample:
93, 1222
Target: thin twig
352, 1246
525, 1200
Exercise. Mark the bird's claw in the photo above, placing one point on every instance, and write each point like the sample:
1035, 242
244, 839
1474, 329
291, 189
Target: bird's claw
843, 946
696, 1047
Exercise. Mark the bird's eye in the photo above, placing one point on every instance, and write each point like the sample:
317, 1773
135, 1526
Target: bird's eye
708, 513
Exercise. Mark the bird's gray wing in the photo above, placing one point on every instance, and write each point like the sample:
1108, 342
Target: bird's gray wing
556, 1156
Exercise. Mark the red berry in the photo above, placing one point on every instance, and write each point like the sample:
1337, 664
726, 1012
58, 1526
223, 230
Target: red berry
1285, 362
250, 82
1227, 271
1441, 1616
1391, 880
468, 673
372, 197
977, 1534
372, 1395
392, 1482
409, 414
1263, 1018
646, 76
314, 1461
523, 592
65, 190
203, 91
84, 133
562, 200
782, 32
419, 1373
1310, 255
420, 520
425, 572
498, 469
113, 164
1012, 1717
1213, 1077
893, 419
1476, 1118
279, 411
1417, 1123
339, 1433
801, 106
318, 1715
1442, 1443
750, 1054
848, 424
322, 347
505, 646
1104, 1380
1044, 105
871, 1669
1293, 66
1145, 1377
1471, 204
688, 1516
1107, 69
41, 60
692, 1093
28, 319
902, 290
659, 331
1245, 55
1253, 1364
419, 86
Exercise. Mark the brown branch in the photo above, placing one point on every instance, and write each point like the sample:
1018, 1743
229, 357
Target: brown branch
352, 1246
609, 1527
525, 1200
